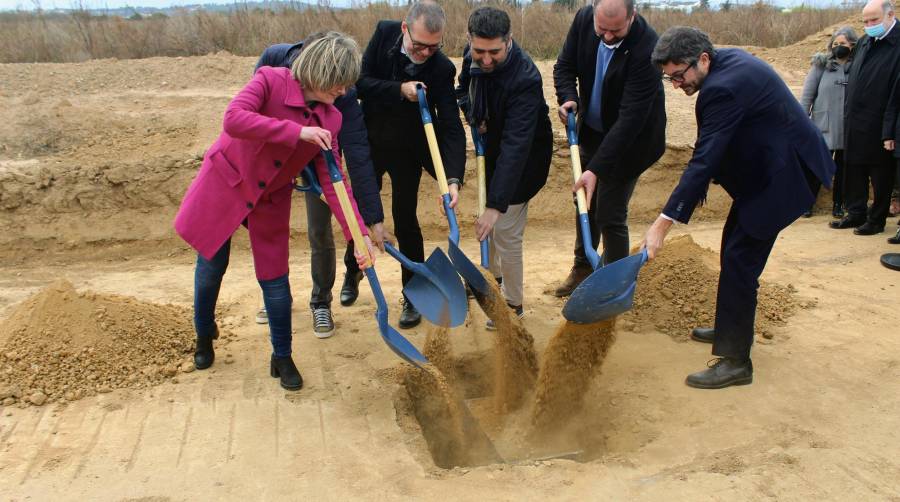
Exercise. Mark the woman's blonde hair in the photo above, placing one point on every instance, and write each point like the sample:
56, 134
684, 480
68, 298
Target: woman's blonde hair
328, 60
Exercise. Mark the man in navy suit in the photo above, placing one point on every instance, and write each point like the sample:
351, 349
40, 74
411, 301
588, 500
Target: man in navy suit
754, 140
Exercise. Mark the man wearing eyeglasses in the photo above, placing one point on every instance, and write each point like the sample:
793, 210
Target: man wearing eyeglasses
756, 141
621, 111
399, 56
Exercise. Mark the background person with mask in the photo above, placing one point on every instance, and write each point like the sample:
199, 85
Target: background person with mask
871, 79
823, 100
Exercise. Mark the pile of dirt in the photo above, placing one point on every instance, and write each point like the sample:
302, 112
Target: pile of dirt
572, 358
62, 345
676, 292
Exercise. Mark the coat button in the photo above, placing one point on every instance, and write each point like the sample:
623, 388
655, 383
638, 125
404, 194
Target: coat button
306, 115
249, 205
277, 164
262, 184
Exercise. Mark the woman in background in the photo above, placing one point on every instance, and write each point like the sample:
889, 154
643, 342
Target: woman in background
823, 100
276, 125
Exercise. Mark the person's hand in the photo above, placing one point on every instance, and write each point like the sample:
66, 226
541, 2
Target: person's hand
376, 234
889, 145
565, 109
485, 223
362, 260
316, 136
408, 90
453, 190
656, 234
588, 181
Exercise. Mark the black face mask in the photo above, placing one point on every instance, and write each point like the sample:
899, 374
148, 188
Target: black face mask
840, 51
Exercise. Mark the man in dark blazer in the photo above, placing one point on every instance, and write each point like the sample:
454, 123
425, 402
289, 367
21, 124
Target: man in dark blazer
355, 145
755, 140
622, 118
399, 56
502, 95
871, 79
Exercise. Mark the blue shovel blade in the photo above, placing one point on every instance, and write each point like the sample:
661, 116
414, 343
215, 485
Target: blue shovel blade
468, 270
397, 343
607, 292
441, 298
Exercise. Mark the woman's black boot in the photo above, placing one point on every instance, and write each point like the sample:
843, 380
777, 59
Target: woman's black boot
284, 368
205, 355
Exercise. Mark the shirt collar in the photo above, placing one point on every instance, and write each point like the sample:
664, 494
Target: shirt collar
888, 31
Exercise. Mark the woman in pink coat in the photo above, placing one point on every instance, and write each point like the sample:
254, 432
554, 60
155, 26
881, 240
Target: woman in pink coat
273, 128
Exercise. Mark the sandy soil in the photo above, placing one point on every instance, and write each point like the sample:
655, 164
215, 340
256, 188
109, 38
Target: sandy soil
94, 159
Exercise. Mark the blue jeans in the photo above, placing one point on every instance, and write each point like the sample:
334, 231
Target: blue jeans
276, 295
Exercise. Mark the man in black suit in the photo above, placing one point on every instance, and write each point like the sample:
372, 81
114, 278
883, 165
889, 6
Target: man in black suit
399, 56
756, 141
622, 118
868, 133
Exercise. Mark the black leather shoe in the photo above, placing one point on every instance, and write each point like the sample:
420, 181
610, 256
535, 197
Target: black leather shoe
723, 373
837, 211
350, 288
868, 229
578, 274
705, 335
410, 317
284, 368
891, 260
846, 222
895, 239
204, 355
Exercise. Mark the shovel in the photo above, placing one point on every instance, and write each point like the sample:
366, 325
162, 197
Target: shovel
400, 345
463, 265
482, 191
609, 290
435, 288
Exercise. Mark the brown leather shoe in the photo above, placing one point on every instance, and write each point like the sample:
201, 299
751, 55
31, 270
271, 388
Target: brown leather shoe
576, 275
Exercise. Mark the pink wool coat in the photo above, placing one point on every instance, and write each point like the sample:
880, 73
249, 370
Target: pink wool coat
247, 174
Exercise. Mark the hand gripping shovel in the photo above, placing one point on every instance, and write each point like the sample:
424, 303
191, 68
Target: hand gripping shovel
463, 265
609, 290
400, 345
482, 191
435, 288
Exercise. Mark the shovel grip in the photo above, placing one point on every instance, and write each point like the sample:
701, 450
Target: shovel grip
337, 180
432, 141
575, 154
482, 189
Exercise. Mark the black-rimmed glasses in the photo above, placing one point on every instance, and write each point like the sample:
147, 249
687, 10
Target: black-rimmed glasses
678, 77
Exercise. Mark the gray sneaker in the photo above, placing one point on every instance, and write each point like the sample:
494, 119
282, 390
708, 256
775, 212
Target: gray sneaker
323, 323
519, 312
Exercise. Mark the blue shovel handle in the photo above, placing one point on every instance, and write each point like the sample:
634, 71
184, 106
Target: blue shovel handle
571, 129
583, 221
479, 153
423, 104
309, 182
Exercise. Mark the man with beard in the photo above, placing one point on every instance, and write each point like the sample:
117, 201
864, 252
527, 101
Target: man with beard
757, 142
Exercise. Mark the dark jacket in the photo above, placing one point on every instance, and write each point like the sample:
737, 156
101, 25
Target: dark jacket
519, 139
633, 111
754, 139
393, 122
872, 76
892, 116
352, 138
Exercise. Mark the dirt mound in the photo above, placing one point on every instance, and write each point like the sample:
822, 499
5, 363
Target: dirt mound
62, 345
676, 292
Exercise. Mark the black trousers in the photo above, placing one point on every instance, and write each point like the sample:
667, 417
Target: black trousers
405, 170
607, 210
856, 190
742, 260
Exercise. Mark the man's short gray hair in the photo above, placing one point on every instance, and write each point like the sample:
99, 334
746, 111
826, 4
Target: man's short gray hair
431, 14
681, 45
629, 6
887, 7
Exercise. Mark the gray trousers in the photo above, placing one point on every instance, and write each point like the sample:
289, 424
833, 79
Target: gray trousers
321, 245
506, 251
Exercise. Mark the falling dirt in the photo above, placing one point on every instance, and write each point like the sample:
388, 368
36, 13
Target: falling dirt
62, 345
676, 292
570, 362
515, 362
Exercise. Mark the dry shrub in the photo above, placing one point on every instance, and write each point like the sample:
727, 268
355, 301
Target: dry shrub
540, 28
